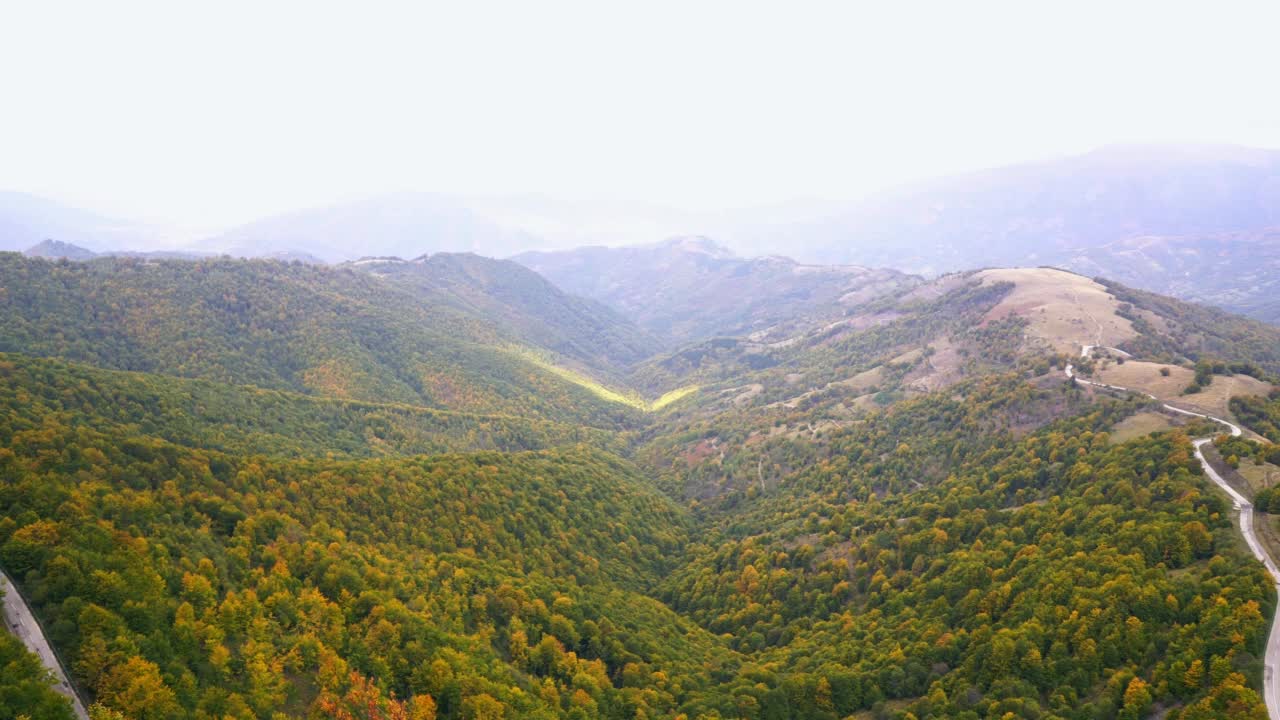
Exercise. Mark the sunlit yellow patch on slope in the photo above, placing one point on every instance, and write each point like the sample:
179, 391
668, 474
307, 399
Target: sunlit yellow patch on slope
622, 397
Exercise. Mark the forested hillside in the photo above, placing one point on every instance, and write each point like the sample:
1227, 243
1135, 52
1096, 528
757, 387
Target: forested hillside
189, 584
321, 331
932, 556
1179, 330
1262, 415
521, 303
249, 420
249, 489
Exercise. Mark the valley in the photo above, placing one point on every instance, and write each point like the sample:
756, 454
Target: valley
662, 361
444, 487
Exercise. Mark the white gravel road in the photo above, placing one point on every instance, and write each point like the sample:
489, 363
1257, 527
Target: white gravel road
19, 621
1244, 508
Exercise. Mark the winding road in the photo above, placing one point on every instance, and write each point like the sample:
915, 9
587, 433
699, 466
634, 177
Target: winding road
1244, 509
19, 621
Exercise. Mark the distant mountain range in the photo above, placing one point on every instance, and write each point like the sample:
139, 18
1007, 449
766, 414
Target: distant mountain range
27, 220
56, 249
1147, 215
1237, 271
399, 225
689, 288
1049, 211
1199, 222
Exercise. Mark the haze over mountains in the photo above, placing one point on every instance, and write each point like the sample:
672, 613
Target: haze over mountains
1053, 210
657, 284
27, 220
404, 225
1148, 215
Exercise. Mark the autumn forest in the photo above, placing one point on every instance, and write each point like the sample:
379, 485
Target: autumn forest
447, 489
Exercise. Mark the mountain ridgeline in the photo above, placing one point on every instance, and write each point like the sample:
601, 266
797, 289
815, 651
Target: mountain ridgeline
27, 221
693, 288
1043, 211
1195, 221
444, 487
399, 224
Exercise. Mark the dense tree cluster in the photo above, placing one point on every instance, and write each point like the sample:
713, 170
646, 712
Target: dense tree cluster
256, 490
1261, 414
249, 420
1054, 576
186, 583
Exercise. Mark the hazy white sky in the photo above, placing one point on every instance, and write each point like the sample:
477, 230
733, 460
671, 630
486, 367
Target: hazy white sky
211, 113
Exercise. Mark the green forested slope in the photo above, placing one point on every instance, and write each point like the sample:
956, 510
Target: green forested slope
522, 304
185, 583
248, 420
296, 327
1174, 330
1261, 415
931, 559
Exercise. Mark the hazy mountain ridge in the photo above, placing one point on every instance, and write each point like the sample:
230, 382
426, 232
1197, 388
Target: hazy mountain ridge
28, 220
1143, 214
397, 224
691, 288
56, 249
1031, 213
1239, 272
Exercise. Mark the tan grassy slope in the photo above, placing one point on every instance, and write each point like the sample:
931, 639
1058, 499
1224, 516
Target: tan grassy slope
1213, 400
1140, 425
1065, 310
